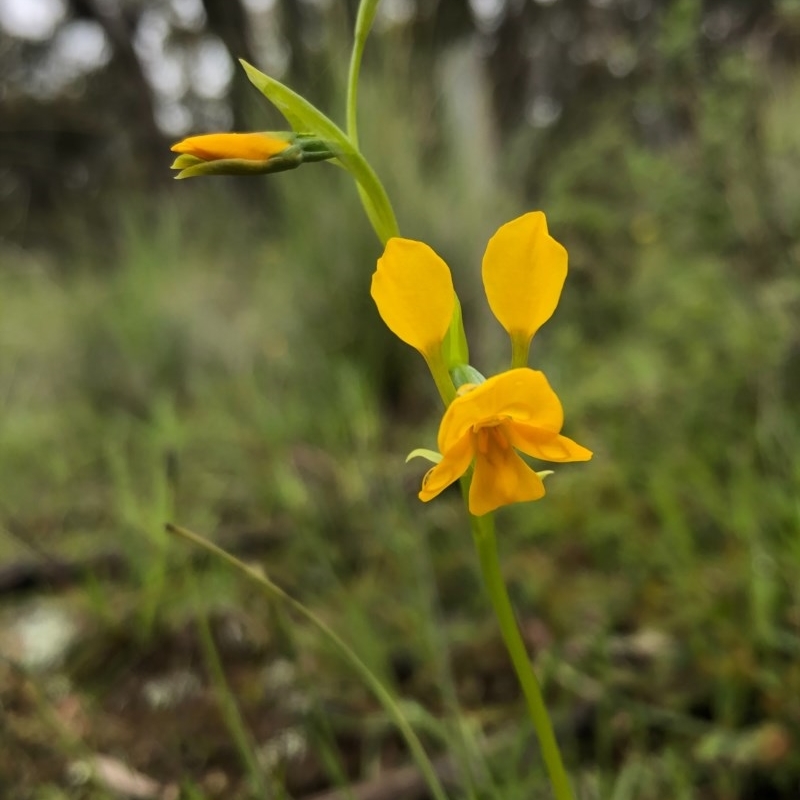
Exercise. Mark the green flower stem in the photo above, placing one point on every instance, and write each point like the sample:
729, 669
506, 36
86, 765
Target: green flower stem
382, 695
364, 20
373, 196
519, 352
441, 376
483, 532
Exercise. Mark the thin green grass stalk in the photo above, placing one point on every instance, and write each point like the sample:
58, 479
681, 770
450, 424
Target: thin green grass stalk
230, 709
154, 582
192, 792
683, 782
745, 504
486, 543
149, 562
321, 729
329, 753
382, 695
145, 514
464, 742
628, 785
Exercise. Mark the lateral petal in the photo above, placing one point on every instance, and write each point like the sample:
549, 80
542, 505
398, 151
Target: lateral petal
413, 290
524, 269
546, 445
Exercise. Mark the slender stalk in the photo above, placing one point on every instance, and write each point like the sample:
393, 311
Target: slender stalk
519, 352
484, 534
441, 377
364, 20
381, 693
373, 195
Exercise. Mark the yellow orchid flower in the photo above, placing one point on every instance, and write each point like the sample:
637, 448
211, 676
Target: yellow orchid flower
246, 153
524, 270
515, 410
218, 146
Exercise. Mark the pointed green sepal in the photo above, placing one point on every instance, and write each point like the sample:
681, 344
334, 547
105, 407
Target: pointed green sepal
303, 116
291, 158
316, 149
465, 374
184, 161
428, 455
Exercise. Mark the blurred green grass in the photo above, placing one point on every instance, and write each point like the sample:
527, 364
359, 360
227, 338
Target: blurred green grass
224, 368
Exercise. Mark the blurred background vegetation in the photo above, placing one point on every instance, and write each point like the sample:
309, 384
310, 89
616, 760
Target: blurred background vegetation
207, 352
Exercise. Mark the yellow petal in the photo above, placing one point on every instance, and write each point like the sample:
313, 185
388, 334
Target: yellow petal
524, 270
453, 465
546, 445
522, 395
216, 146
413, 290
502, 477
